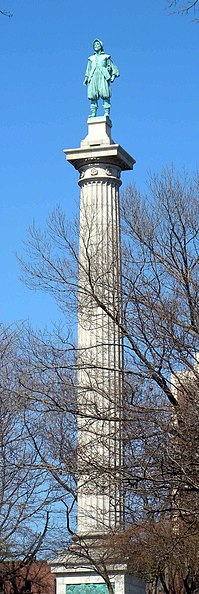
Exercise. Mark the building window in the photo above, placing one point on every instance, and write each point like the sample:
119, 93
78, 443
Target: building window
27, 586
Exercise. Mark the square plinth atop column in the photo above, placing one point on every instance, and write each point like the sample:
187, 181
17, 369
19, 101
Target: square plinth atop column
98, 146
99, 132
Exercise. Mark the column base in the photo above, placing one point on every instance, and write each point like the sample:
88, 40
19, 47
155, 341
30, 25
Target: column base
81, 580
76, 572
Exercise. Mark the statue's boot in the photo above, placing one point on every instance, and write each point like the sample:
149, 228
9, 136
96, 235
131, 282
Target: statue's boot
92, 114
93, 108
107, 107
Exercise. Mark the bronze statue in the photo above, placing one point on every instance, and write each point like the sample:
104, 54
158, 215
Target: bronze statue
100, 72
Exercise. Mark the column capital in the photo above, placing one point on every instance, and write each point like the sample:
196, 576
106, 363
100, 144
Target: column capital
99, 172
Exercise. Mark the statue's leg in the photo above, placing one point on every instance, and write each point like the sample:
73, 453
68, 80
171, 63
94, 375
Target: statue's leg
107, 107
94, 106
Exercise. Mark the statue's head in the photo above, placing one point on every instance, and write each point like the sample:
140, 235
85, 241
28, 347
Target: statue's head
98, 45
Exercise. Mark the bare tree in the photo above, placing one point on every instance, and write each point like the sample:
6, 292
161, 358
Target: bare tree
181, 7
27, 494
6, 13
160, 475
167, 561
48, 399
160, 286
160, 331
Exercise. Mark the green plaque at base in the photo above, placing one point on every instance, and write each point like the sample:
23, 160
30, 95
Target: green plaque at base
87, 588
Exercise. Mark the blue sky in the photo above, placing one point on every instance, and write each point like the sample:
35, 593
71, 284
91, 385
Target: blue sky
43, 105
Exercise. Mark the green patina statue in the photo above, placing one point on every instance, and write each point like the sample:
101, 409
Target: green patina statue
100, 72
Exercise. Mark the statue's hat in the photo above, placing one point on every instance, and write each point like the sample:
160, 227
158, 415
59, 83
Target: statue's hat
101, 42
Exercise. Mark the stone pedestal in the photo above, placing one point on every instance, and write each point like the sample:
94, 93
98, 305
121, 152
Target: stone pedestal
84, 580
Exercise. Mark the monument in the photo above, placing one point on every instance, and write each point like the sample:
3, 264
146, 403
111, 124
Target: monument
87, 567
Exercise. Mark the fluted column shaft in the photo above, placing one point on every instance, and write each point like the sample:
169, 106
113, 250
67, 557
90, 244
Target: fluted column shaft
99, 161
100, 499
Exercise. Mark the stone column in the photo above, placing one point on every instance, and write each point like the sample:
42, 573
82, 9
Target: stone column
100, 349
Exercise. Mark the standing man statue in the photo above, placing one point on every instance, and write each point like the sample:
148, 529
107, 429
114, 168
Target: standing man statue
100, 72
